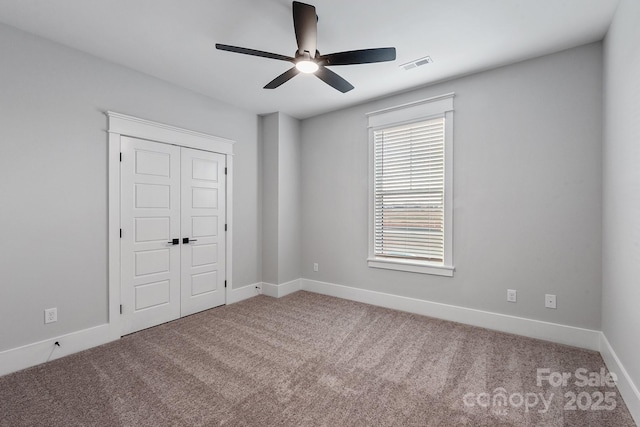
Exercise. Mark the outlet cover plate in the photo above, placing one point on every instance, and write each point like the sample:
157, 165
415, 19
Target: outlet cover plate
550, 301
50, 315
512, 295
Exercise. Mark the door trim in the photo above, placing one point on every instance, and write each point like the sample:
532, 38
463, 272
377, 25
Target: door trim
123, 125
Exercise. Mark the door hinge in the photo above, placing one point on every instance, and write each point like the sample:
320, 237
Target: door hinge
120, 308
225, 170
225, 227
120, 156
121, 233
225, 283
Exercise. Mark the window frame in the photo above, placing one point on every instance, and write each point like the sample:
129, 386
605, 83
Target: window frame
426, 109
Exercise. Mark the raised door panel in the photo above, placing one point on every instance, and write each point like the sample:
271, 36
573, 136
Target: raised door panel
203, 213
150, 219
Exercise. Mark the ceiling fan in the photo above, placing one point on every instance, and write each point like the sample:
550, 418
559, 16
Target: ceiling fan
307, 58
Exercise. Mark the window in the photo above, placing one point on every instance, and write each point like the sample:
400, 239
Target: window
410, 187
409, 191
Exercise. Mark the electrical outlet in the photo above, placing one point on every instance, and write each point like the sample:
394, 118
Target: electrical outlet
550, 301
512, 295
315, 266
51, 315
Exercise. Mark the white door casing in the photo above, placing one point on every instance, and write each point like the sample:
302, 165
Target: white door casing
203, 220
121, 126
150, 200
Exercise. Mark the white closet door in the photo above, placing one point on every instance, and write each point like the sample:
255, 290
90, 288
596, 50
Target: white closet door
203, 220
150, 220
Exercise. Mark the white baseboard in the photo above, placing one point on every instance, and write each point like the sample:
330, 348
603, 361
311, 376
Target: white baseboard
34, 354
245, 292
579, 337
627, 388
569, 335
283, 289
269, 289
287, 288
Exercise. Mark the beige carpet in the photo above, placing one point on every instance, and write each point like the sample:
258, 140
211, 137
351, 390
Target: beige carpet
309, 359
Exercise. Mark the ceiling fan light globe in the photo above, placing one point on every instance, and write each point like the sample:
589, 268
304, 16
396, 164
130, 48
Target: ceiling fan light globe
307, 67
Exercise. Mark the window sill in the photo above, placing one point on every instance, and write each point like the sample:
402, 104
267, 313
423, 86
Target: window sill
412, 267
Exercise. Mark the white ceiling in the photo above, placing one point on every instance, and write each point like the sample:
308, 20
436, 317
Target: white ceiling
174, 40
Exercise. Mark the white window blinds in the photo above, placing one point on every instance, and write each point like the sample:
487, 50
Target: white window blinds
409, 191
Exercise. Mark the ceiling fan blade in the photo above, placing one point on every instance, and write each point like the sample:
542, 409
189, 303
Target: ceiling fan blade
282, 78
363, 56
253, 52
305, 23
333, 80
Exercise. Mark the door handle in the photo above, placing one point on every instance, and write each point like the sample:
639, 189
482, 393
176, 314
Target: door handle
175, 242
186, 240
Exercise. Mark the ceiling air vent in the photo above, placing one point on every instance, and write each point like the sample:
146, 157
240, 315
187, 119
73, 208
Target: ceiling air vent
417, 63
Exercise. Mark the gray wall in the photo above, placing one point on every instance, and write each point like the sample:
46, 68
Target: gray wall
54, 179
289, 200
527, 187
527, 192
269, 150
621, 173
281, 198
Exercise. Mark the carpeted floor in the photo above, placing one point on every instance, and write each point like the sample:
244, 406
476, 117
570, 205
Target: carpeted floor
309, 359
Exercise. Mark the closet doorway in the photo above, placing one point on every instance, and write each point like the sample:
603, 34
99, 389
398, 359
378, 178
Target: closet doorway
173, 223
